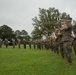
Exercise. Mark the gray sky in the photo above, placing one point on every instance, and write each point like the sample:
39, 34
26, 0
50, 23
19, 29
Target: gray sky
18, 14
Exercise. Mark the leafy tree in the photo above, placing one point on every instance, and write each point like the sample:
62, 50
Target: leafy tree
18, 33
24, 33
6, 32
46, 21
64, 15
37, 33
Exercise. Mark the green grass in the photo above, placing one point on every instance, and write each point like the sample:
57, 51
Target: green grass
34, 62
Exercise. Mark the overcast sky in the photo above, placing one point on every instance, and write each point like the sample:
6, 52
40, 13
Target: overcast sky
18, 14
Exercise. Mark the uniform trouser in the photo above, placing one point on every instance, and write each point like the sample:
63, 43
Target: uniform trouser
74, 46
68, 50
52, 47
34, 46
56, 49
6, 45
25, 46
39, 46
19, 45
62, 50
0, 45
42, 46
30, 46
13, 45
47, 46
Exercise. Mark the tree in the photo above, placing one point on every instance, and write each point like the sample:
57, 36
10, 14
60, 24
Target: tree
18, 33
46, 21
37, 33
64, 15
6, 32
24, 33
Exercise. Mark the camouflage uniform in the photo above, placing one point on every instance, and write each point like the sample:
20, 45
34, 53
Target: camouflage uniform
60, 43
39, 44
6, 42
34, 44
18, 42
0, 42
52, 44
49, 43
42, 44
61, 46
57, 45
24, 43
74, 41
67, 42
46, 44
30, 42
57, 40
13, 42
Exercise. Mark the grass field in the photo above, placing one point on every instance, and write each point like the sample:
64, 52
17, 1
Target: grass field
34, 62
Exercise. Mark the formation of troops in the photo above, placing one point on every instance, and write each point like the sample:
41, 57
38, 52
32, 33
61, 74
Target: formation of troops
61, 41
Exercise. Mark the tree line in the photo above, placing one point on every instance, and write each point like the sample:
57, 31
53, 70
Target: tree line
7, 32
